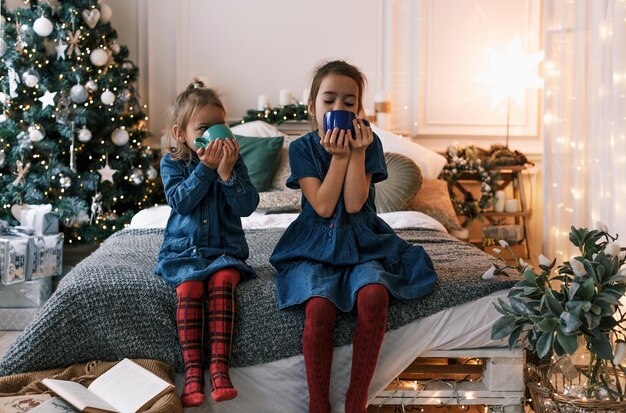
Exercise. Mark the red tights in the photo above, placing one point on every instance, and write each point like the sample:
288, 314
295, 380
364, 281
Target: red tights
317, 344
221, 313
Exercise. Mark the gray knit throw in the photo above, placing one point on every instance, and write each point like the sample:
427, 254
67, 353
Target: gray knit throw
112, 306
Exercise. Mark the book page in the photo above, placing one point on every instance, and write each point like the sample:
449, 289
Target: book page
78, 395
54, 405
129, 387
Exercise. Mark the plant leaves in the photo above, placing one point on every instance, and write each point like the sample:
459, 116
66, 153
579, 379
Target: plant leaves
567, 341
544, 344
587, 289
515, 336
571, 323
601, 345
553, 305
521, 306
502, 327
548, 324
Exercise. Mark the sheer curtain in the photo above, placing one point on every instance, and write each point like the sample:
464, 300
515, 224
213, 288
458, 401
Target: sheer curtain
584, 120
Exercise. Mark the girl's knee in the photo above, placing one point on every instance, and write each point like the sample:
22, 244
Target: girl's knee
225, 276
320, 311
373, 297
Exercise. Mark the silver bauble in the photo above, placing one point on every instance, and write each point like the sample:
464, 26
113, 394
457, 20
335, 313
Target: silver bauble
105, 12
152, 173
3, 117
115, 48
3, 98
65, 181
42, 26
3, 47
124, 95
3, 158
36, 132
84, 134
107, 97
99, 57
128, 65
120, 137
136, 177
30, 78
78, 94
92, 85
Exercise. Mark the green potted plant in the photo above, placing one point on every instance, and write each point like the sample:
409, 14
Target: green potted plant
552, 312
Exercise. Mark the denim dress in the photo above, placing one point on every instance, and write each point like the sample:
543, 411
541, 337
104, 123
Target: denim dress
334, 257
203, 233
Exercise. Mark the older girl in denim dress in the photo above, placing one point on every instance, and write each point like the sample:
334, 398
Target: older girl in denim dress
204, 249
338, 252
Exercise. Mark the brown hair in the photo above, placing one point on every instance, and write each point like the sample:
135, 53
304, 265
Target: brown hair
338, 67
195, 96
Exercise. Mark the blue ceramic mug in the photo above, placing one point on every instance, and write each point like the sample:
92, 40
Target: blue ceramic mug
341, 119
219, 131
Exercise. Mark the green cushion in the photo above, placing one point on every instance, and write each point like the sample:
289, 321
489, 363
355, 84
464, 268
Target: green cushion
261, 157
403, 182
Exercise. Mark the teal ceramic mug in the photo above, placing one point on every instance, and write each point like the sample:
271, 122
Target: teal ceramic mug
219, 131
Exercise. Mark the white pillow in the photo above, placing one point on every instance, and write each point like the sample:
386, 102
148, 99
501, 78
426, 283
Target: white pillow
256, 129
430, 162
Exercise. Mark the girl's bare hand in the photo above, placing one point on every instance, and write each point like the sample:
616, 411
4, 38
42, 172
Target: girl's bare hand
231, 153
212, 155
337, 143
363, 136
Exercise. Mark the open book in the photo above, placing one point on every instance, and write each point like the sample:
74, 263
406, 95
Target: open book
125, 388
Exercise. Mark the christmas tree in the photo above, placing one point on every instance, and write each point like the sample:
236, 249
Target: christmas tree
71, 125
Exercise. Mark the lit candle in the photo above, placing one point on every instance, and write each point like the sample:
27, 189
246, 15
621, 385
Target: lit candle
284, 97
262, 101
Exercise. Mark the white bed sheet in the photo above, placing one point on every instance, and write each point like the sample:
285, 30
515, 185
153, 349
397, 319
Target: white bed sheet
156, 217
280, 386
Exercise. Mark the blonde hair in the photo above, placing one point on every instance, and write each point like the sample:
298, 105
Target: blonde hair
195, 96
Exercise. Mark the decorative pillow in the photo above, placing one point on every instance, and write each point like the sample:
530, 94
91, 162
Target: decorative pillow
275, 202
433, 199
430, 162
283, 171
256, 129
261, 157
403, 182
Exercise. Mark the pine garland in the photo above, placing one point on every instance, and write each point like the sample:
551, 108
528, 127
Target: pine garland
278, 115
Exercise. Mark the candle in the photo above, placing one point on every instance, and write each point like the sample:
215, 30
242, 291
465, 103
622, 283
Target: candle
263, 101
284, 97
305, 96
511, 205
499, 204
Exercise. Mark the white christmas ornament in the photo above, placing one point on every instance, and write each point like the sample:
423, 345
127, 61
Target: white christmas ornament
47, 99
42, 26
92, 85
99, 57
3, 98
84, 134
105, 13
120, 137
107, 97
78, 94
91, 17
152, 173
3, 47
65, 181
36, 132
60, 48
3, 118
115, 48
136, 176
30, 78
106, 172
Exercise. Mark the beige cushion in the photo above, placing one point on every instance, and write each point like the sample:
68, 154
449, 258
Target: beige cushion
283, 170
433, 199
403, 182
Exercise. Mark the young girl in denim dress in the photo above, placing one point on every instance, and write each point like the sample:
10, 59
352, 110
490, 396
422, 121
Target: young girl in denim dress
339, 253
204, 248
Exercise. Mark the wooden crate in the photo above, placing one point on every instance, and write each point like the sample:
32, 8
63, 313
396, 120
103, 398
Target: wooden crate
487, 376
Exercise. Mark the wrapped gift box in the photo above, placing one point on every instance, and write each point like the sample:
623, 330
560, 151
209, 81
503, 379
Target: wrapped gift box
29, 294
15, 258
508, 233
40, 218
47, 254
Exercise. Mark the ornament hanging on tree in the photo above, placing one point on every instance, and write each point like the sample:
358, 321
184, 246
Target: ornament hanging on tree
120, 137
65, 181
106, 173
20, 171
125, 95
96, 207
42, 26
13, 81
20, 44
3, 158
3, 47
152, 173
107, 97
61, 48
91, 85
3, 117
47, 99
30, 78
105, 12
84, 134
136, 177
99, 57
36, 132
73, 39
78, 94
115, 48
91, 17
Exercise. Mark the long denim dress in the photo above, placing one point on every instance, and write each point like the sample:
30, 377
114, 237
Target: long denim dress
334, 257
203, 233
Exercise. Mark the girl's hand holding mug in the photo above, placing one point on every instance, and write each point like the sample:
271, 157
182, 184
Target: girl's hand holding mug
231, 153
212, 155
363, 135
337, 143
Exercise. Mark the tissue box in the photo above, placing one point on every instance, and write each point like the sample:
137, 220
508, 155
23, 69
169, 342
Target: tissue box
29, 294
15, 259
47, 255
508, 233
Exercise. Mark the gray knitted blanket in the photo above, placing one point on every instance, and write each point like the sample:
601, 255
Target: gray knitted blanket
112, 306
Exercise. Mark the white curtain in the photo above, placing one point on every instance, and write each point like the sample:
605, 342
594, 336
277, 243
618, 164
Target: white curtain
584, 120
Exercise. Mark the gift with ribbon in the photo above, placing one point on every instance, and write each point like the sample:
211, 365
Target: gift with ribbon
40, 218
15, 256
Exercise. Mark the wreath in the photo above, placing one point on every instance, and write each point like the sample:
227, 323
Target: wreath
464, 161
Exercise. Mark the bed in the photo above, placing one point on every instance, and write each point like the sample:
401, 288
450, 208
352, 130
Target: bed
112, 306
